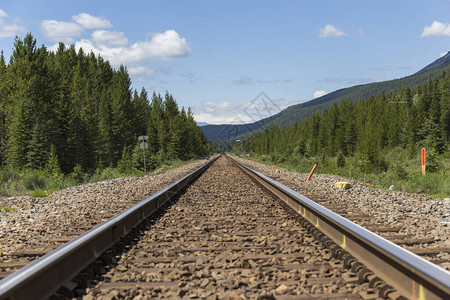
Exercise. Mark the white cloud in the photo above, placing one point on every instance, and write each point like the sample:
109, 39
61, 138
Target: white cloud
212, 107
230, 113
3, 14
222, 119
91, 22
163, 46
140, 70
114, 46
57, 31
442, 54
319, 93
436, 29
107, 39
11, 29
330, 31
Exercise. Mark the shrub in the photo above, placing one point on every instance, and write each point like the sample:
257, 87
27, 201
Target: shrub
431, 161
33, 179
400, 171
77, 175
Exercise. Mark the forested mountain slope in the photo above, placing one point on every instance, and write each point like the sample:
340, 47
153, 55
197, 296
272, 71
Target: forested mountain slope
299, 112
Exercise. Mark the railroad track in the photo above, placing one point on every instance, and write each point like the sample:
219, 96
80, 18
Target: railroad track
227, 235
396, 224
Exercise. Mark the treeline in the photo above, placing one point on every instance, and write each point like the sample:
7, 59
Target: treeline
74, 108
409, 119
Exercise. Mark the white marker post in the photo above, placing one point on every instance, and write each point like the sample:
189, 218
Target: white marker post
144, 146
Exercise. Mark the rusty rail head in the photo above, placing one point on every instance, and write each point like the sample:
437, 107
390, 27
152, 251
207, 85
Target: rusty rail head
412, 276
44, 276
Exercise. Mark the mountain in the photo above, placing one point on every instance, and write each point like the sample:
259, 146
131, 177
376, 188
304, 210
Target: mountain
299, 112
442, 61
202, 124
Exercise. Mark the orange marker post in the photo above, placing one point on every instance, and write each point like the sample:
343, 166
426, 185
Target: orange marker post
312, 172
423, 161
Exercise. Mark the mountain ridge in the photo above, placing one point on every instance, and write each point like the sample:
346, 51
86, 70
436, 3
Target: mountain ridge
298, 112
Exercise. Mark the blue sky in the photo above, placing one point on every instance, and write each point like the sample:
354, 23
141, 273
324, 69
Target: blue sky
218, 56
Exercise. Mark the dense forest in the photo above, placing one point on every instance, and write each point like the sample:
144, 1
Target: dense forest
73, 109
407, 120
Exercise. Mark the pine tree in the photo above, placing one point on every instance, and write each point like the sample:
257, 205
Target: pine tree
445, 107
121, 112
37, 154
52, 166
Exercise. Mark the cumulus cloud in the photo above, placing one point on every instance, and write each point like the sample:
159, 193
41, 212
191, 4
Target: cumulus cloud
57, 31
114, 46
91, 22
330, 31
107, 39
9, 29
319, 93
436, 29
162, 47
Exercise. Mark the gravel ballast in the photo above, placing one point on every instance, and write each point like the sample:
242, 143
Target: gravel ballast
419, 216
35, 221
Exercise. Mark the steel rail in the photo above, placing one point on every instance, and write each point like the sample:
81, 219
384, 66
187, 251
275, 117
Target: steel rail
42, 277
412, 276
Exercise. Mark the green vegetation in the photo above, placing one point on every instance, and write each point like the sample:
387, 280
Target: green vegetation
69, 117
41, 183
377, 140
39, 193
6, 209
356, 93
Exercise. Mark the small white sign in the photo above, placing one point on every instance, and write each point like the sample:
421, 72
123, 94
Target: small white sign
143, 137
143, 145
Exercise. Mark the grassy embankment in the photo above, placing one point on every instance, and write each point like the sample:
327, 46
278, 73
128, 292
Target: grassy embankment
41, 183
403, 172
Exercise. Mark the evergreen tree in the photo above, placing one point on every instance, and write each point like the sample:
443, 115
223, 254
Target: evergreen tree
80, 105
121, 112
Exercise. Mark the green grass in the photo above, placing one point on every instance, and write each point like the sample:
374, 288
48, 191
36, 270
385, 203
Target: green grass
7, 209
39, 183
402, 171
38, 193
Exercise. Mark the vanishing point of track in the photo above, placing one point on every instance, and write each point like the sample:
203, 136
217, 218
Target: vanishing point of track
229, 235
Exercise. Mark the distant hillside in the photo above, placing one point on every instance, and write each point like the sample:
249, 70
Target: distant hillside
304, 110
